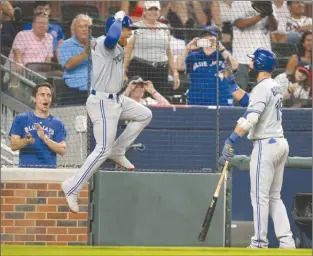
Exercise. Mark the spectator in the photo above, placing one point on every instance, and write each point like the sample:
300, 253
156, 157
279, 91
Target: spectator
134, 9
137, 88
221, 18
298, 85
201, 66
54, 29
282, 13
304, 54
8, 31
73, 56
38, 135
33, 45
185, 14
148, 52
297, 23
250, 31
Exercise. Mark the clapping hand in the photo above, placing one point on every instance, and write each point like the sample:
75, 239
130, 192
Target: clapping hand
40, 131
29, 139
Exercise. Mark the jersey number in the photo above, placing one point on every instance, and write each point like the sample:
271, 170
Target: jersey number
279, 106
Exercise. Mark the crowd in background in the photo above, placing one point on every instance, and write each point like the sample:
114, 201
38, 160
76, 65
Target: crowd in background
154, 53
175, 57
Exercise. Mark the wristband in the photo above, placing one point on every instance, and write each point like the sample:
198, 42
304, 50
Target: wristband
223, 50
234, 137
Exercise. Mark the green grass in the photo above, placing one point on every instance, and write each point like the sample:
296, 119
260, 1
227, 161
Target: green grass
12, 250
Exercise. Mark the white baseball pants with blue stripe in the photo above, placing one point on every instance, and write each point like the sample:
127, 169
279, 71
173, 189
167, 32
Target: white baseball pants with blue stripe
266, 177
105, 114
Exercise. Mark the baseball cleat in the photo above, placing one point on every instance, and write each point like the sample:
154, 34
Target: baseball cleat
72, 200
122, 161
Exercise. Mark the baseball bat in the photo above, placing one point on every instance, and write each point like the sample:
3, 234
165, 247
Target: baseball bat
210, 212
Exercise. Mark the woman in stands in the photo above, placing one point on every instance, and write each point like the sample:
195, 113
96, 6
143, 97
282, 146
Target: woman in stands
148, 53
298, 84
304, 55
137, 89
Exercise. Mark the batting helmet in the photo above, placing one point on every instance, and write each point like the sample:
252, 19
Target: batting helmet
211, 30
126, 23
264, 60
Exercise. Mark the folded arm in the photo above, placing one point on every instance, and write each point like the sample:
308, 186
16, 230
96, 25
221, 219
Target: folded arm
113, 35
59, 148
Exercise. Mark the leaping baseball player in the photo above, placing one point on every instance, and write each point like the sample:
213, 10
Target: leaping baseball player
263, 121
105, 107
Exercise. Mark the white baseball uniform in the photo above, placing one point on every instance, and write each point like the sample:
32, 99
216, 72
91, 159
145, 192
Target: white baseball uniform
269, 155
106, 107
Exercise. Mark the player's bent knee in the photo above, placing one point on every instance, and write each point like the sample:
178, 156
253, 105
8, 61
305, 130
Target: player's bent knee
148, 116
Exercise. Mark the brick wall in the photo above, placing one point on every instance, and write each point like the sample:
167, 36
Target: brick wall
37, 213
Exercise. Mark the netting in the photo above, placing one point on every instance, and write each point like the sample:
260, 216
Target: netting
193, 108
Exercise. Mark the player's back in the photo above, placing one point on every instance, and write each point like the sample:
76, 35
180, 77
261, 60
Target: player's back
269, 93
107, 67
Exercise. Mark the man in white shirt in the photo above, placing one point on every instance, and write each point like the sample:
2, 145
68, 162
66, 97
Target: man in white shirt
297, 23
251, 31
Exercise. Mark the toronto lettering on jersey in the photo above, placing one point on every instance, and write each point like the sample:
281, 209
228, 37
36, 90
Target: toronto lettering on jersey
48, 131
277, 90
118, 58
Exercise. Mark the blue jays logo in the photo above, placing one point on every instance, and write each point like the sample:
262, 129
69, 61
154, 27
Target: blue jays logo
118, 58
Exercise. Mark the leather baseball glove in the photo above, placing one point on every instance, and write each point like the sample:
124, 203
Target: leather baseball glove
264, 8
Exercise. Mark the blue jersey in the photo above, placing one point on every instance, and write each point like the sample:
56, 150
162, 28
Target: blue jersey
38, 155
202, 72
54, 29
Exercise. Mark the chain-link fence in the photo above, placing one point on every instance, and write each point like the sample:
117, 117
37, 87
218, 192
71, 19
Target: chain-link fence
174, 60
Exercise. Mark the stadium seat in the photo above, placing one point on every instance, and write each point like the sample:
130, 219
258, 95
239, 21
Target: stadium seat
66, 27
284, 50
98, 29
46, 69
277, 72
59, 88
282, 62
70, 11
27, 8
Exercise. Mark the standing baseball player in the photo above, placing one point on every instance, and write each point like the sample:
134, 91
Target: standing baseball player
106, 107
263, 121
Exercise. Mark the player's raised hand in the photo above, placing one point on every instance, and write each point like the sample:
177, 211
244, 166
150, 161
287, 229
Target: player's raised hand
40, 131
29, 139
120, 15
192, 45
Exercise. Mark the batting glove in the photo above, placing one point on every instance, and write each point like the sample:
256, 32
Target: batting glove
119, 15
228, 151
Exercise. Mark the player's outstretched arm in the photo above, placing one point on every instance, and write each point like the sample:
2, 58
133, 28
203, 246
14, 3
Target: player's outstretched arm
113, 35
239, 95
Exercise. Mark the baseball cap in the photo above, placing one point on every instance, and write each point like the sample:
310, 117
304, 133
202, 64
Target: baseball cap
210, 30
136, 79
304, 68
150, 4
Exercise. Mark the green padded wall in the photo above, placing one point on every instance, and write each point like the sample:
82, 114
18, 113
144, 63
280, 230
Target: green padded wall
155, 209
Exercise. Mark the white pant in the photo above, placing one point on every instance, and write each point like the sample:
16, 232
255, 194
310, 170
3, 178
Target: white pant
105, 114
266, 177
